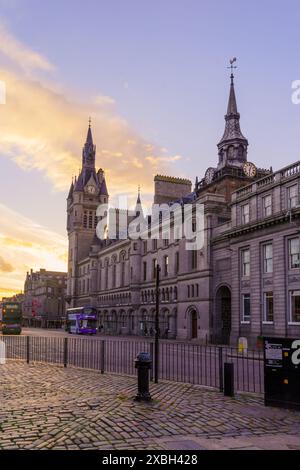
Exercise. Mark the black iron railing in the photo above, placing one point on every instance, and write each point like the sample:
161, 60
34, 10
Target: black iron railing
180, 362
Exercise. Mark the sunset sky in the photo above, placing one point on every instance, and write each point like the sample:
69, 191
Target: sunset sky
153, 77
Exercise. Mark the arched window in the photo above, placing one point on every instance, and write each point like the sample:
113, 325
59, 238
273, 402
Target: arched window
175, 293
241, 151
106, 273
122, 260
230, 152
114, 270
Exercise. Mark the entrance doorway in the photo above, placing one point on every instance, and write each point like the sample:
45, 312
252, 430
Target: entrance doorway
223, 315
194, 324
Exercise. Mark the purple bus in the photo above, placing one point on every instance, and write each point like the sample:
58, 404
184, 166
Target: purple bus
82, 320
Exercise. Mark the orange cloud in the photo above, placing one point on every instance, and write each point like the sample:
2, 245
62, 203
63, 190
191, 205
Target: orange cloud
43, 128
5, 292
20, 54
25, 244
51, 140
4, 266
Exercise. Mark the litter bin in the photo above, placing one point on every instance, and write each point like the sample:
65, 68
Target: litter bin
282, 372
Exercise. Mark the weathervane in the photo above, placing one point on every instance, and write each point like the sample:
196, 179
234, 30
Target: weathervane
90, 120
232, 61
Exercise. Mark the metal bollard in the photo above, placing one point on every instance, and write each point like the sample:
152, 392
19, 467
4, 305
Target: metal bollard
228, 379
143, 364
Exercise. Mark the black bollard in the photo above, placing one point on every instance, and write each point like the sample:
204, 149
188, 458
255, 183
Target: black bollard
228, 379
143, 364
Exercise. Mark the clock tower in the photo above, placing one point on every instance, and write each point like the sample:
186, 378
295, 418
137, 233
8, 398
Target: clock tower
233, 170
87, 191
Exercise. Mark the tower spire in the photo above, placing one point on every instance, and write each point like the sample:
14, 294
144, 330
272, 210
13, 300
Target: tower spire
138, 201
89, 149
138, 206
232, 148
89, 137
232, 106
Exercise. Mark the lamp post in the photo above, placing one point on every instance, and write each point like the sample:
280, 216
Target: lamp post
156, 352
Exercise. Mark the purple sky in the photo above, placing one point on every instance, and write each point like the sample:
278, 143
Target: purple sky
163, 62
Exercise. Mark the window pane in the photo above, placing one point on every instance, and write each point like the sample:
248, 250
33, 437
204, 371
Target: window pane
294, 257
268, 258
246, 307
293, 190
268, 307
267, 205
295, 306
245, 214
293, 195
246, 262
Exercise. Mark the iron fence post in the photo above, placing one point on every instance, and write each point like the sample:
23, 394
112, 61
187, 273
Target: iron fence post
65, 352
221, 379
152, 357
156, 365
27, 349
102, 356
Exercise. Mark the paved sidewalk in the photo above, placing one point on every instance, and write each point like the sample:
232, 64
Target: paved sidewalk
48, 407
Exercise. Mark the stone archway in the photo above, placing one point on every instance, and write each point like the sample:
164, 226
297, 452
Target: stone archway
222, 327
111, 322
193, 319
122, 322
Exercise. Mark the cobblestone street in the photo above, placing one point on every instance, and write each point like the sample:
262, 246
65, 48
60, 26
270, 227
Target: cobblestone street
48, 407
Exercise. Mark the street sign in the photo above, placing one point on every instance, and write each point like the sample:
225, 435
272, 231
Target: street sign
282, 372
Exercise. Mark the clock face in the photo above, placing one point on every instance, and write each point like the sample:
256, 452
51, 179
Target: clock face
91, 189
249, 169
209, 174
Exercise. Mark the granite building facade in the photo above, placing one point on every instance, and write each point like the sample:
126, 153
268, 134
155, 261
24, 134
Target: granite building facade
243, 281
44, 298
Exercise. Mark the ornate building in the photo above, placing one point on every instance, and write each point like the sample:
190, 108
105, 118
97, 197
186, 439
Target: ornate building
215, 294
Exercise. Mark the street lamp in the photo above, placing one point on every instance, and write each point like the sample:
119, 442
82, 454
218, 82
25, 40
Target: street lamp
156, 353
